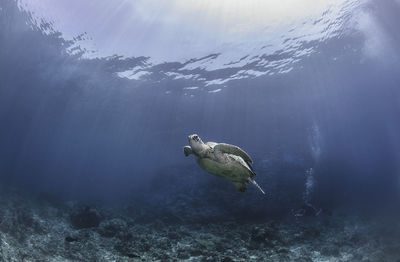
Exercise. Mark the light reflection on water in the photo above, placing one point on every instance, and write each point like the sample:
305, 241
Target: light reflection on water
243, 40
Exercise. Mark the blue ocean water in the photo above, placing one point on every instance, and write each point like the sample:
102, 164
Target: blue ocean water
316, 105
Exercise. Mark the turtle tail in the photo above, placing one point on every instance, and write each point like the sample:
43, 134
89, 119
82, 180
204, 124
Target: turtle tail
256, 185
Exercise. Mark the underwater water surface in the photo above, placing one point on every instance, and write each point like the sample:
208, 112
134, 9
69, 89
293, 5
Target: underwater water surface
98, 98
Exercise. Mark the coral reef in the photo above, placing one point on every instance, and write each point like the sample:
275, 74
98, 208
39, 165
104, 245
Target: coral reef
85, 217
38, 229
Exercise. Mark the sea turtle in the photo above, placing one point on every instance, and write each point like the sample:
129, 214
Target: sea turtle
223, 160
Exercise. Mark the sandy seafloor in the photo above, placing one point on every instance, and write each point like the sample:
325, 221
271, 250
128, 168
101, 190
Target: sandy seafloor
42, 228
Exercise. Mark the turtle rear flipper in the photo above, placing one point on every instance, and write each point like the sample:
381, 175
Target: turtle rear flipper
255, 184
240, 186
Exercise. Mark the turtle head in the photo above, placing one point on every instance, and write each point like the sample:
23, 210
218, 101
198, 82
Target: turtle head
196, 144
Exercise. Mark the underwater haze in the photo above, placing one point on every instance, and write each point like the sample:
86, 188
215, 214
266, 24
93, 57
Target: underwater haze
98, 98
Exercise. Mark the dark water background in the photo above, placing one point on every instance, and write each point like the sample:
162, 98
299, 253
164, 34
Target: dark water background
71, 127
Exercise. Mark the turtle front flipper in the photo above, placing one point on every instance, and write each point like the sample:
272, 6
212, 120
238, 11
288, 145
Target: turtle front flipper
240, 186
234, 150
187, 150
